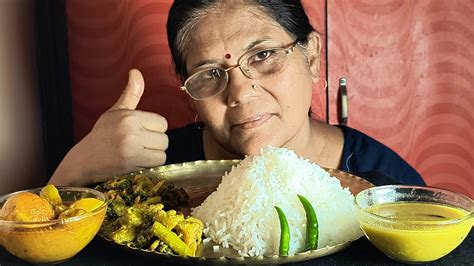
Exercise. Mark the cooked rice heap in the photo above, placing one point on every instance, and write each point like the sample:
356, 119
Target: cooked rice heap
241, 213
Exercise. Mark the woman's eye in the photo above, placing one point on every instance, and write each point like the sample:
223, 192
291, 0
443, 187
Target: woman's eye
214, 73
263, 55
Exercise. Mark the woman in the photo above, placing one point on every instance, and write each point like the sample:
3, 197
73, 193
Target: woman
249, 67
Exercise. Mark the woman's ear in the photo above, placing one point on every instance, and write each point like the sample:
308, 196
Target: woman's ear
314, 55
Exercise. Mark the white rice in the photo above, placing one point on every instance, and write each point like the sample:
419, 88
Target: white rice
241, 213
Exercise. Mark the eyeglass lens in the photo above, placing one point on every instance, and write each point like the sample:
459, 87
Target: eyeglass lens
262, 64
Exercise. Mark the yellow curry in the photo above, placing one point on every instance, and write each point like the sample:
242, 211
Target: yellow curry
417, 234
45, 229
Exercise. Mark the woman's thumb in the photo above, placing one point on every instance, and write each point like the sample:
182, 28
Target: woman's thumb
132, 93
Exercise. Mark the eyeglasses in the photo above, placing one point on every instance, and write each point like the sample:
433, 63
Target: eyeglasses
260, 64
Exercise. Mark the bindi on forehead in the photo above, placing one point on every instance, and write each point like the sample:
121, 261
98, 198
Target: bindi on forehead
227, 56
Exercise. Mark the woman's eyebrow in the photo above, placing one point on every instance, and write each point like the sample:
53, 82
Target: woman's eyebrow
254, 43
202, 63
246, 48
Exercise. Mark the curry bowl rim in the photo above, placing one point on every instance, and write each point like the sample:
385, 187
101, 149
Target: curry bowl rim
393, 221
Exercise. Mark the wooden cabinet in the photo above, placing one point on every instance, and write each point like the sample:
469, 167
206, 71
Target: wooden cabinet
410, 85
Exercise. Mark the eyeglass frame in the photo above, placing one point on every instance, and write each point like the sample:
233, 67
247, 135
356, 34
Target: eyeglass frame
289, 49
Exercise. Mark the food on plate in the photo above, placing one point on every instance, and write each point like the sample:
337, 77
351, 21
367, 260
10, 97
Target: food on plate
284, 233
241, 214
312, 231
142, 214
50, 225
173, 240
311, 228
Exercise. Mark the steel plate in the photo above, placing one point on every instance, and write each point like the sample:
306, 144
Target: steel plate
201, 178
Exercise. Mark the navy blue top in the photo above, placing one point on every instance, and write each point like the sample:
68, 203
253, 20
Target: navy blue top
361, 155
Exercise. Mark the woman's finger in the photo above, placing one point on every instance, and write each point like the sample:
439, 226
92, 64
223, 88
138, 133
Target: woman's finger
153, 140
152, 121
150, 158
132, 93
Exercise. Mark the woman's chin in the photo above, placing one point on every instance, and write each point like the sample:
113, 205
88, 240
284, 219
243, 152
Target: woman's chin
253, 147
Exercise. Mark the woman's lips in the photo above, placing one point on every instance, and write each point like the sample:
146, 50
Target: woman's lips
253, 122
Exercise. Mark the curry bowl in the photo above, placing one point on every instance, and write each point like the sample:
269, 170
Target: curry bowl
54, 240
413, 224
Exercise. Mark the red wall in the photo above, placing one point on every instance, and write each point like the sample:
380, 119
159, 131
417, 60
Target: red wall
409, 71
407, 64
108, 37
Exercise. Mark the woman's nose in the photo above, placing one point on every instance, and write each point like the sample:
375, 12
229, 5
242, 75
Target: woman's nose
240, 89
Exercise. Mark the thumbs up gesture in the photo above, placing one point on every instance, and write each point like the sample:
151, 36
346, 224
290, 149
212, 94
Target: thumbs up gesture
122, 140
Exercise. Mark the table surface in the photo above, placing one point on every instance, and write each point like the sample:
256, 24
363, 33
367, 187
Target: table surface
99, 252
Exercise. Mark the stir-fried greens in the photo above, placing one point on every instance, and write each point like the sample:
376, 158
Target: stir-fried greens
142, 213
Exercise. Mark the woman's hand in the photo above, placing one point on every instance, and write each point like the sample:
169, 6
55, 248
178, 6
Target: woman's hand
123, 140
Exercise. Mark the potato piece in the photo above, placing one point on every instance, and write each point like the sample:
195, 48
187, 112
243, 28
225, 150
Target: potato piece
51, 194
27, 207
87, 204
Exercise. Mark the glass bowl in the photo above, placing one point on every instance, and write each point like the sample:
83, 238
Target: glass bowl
56, 240
414, 224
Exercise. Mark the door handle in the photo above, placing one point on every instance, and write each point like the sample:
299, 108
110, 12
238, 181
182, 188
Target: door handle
343, 102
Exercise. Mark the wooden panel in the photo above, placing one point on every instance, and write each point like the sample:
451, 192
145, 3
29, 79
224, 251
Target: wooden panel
410, 80
108, 37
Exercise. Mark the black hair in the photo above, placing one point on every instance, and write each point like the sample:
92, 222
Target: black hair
289, 14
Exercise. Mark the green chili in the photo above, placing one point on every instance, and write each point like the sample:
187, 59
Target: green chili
284, 233
312, 232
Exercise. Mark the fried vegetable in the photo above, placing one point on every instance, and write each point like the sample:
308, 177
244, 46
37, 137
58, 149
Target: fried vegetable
124, 234
142, 190
139, 202
152, 209
116, 208
169, 218
133, 217
191, 231
157, 186
120, 184
171, 239
152, 200
284, 233
154, 245
144, 238
160, 246
312, 232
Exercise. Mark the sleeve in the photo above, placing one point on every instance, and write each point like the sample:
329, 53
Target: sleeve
370, 159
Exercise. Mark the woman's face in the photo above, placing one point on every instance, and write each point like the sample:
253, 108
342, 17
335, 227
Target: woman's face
244, 118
